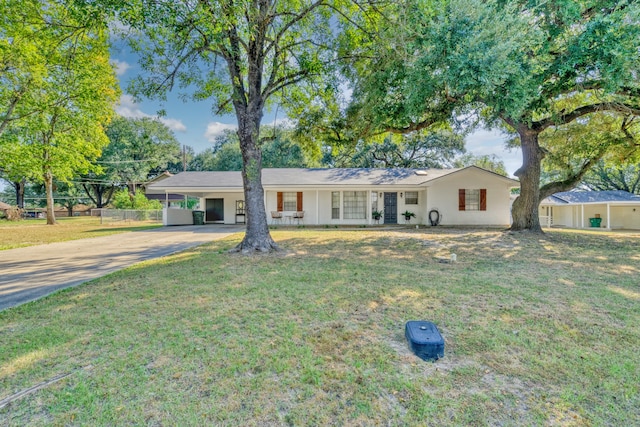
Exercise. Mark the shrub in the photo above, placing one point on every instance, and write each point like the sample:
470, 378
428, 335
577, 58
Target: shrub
125, 200
14, 213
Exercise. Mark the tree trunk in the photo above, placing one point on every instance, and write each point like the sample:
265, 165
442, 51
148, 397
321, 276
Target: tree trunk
19, 186
48, 187
99, 194
525, 208
257, 236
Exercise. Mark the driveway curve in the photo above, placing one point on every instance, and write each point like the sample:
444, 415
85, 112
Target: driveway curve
27, 274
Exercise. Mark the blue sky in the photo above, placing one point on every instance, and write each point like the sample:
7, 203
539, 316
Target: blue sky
195, 125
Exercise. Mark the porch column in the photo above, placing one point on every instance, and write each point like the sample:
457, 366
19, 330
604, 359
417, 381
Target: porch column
317, 207
581, 216
368, 209
166, 199
608, 216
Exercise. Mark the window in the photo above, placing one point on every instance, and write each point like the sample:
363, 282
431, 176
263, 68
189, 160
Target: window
472, 200
289, 201
374, 201
335, 205
410, 197
355, 203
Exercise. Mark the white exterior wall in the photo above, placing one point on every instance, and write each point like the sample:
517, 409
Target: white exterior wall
420, 209
317, 206
442, 194
229, 204
175, 216
562, 216
622, 217
590, 211
309, 205
627, 217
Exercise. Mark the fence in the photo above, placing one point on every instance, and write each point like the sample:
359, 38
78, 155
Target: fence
109, 216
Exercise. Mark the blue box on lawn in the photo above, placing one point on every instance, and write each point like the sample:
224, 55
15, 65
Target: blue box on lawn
424, 339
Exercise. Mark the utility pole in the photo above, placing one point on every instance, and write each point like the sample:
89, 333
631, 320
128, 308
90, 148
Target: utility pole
184, 168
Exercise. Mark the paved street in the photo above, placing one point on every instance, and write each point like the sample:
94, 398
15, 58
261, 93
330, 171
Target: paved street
27, 274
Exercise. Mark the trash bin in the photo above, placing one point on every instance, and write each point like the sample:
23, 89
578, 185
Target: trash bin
198, 217
595, 222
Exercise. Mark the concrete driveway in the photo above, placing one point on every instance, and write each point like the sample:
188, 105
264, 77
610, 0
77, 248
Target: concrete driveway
27, 274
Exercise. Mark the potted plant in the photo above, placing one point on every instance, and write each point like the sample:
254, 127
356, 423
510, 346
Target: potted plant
376, 215
408, 215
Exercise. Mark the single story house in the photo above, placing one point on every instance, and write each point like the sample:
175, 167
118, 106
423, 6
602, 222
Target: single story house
166, 200
464, 196
591, 209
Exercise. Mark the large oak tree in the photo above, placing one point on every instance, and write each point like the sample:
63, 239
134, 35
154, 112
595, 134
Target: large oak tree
533, 65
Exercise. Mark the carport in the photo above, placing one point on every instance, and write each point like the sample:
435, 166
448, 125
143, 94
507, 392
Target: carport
591, 209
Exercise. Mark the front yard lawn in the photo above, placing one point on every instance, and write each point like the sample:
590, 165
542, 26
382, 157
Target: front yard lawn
31, 232
539, 330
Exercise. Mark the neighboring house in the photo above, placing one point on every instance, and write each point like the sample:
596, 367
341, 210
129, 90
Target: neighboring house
467, 196
78, 210
591, 209
4, 207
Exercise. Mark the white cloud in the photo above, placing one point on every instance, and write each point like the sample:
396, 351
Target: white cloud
128, 108
120, 66
173, 124
215, 129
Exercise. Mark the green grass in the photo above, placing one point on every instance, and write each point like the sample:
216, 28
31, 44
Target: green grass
538, 331
30, 232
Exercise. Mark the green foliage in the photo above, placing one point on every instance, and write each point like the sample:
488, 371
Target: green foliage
241, 55
226, 155
625, 177
420, 149
488, 161
74, 85
534, 65
122, 199
27, 54
138, 150
573, 149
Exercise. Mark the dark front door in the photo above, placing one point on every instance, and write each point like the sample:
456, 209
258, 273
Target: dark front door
215, 210
390, 208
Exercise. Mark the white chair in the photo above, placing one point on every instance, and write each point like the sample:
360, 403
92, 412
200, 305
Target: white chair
276, 217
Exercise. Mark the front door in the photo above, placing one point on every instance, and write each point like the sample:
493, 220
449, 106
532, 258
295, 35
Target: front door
215, 210
390, 208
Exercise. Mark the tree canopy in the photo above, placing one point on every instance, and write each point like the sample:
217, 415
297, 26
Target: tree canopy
138, 150
75, 95
625, 177
241, 57
531, 65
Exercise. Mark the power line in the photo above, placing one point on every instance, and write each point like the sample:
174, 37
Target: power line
123, 161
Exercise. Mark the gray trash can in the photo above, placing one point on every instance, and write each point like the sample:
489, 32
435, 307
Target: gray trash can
198, 217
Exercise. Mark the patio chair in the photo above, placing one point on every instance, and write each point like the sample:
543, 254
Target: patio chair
276, 217
298, 217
